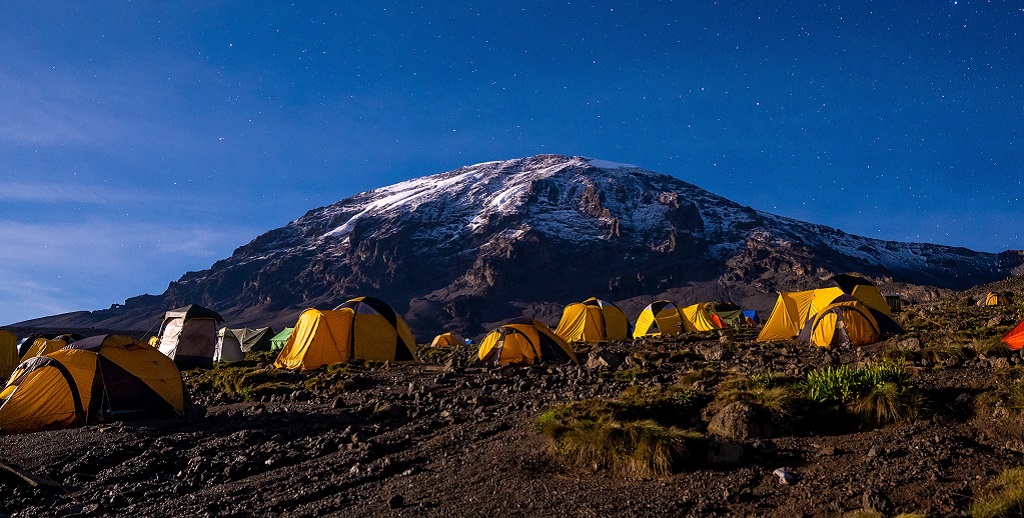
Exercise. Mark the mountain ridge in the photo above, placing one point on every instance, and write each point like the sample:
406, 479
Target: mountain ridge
468, 248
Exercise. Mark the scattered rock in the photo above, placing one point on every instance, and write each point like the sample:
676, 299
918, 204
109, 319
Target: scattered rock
785, 476
912, 344
603, 359
396, 501
714, 352
740, 421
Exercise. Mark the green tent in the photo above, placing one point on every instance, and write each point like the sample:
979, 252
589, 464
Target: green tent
729, 313
278, 341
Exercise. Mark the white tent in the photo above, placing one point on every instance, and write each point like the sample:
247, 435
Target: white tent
228, 349
188, 335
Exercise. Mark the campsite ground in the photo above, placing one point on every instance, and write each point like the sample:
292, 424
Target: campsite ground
442, 439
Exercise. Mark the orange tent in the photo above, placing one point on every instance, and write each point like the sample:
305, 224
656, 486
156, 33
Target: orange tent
1015, 338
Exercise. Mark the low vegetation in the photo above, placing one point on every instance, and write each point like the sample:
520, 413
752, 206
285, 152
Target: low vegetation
245, 380
1008, 393
1003, 498
877, 394
628, 435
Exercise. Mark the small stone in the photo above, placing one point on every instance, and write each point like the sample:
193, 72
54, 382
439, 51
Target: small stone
396, 501
785, 477
912, 344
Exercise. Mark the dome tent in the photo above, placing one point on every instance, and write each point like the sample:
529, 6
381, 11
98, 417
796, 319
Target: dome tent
257, 339
95, 379
188, 335
228, 348
363, 327
862, 289
593, 320
660, 317
523, 341
699, 317
847, 321
994, 299
46, 344
446, 340
281, 339
792, 311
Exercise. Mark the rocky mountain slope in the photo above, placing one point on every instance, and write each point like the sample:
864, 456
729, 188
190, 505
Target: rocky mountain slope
474, 246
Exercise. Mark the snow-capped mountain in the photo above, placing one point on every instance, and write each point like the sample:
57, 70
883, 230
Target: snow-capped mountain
474, 246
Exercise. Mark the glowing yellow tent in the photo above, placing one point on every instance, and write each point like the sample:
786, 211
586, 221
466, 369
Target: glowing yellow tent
994, 299
698, 317
524, 341
43, 346
363, 327
95, 379
847, 321
446, 340
661, 317
592, 320
792, 311
863, 290
8, 353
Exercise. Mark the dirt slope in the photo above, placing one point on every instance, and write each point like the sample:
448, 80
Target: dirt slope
437, 440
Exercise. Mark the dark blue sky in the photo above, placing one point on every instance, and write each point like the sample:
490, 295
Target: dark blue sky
141, 140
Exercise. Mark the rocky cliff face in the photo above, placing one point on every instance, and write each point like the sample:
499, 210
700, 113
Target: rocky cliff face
473, 246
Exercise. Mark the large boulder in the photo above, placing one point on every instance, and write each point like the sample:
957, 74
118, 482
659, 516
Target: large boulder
741, 421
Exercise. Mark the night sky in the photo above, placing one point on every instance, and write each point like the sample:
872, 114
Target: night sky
142, 140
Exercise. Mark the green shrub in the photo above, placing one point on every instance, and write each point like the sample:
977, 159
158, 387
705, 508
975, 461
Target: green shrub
831, 385
1003, 498
435, 355
899, 355
867, 513
764, 380
879, 393
941, 353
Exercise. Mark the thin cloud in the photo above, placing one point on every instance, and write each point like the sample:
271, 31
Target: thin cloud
49, 269
64, 193
58, 111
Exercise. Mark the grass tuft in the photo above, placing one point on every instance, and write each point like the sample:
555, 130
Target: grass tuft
765, 390
631, 435
1008, 393
246, 381
879, 394
1003, 498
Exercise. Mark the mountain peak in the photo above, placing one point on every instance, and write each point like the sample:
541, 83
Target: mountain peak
467, 248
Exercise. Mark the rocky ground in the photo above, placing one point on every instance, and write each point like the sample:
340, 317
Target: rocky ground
447, 439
